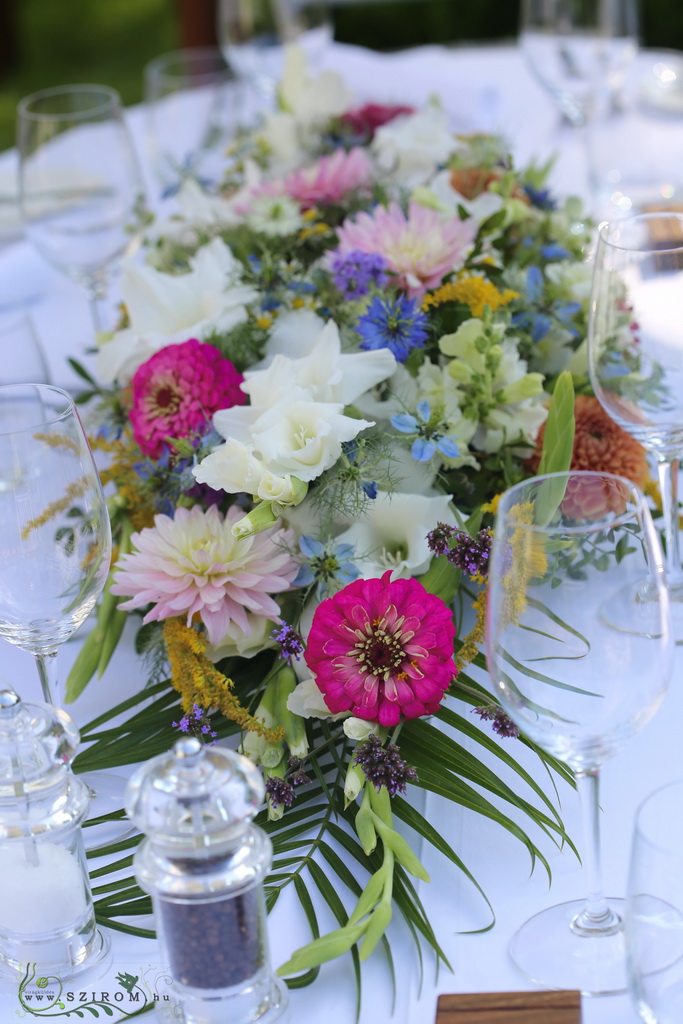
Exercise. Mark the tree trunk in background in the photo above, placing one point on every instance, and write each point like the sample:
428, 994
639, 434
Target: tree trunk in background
197, 20
9, 48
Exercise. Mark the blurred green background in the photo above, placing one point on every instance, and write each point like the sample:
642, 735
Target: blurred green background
53, 42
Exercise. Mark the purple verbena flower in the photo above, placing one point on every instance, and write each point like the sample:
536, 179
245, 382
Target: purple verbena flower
471, 554
290, 641
279, 791
438, 539
384, 766
500, 721
197, 723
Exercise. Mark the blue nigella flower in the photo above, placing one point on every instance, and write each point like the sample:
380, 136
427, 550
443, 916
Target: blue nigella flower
325, 564
540, 197
350, 450
554, 251
302, 287
428, 441
397, 324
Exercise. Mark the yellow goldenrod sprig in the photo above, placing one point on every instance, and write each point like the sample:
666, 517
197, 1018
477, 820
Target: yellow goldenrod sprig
198, 681
73, 492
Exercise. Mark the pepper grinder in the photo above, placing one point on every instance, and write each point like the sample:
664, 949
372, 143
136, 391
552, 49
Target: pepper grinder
46, 909
203, 863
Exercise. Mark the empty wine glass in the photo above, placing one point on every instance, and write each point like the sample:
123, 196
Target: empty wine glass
191, 98
635, 353
253, 36
579, 50
22, 359
564, 545
79, 185
653, 924
55, 541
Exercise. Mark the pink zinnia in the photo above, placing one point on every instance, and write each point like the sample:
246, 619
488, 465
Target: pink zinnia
178, 390
367, 119
331, 178
420, 248
382, 650
193, 565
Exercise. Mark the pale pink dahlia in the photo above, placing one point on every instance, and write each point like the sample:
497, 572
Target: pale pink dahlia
331, 178
178, 390
382, 650
419, 248
192, 565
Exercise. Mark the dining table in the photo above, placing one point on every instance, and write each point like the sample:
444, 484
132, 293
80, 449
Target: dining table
483, 89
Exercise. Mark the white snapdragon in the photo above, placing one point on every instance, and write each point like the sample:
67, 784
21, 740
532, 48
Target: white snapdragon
167, 309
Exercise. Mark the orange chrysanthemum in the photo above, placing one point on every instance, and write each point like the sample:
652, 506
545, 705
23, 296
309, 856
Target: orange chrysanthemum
600, 444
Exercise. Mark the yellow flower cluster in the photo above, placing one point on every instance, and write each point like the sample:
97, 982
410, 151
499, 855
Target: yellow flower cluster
198, 681
476, 636
122, 472
473, 291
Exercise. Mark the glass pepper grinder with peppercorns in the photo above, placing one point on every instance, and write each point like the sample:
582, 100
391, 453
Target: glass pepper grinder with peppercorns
203, 862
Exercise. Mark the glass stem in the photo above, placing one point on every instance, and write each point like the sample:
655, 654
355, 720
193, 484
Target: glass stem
47, 673
97, 292
596, 918
667, 471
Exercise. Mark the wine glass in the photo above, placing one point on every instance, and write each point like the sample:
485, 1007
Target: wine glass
635, 349
190, 98
55, 542
22, 359
579, 687
653, 924
79, 185
253, 37
579, 50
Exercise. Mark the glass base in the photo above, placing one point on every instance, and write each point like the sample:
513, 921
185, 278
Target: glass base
107, 794
634, 610
57, 960
550, 953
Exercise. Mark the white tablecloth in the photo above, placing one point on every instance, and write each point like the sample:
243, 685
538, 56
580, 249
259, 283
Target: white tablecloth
482, 89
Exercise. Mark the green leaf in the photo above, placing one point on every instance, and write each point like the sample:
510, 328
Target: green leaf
558, 446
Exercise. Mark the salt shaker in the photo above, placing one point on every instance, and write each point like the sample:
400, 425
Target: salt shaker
203, 862
46, 909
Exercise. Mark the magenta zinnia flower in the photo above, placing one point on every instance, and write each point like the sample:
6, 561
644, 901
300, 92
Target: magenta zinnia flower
177, 391
382, 649
367, 119
420, 248
331, 178
192, 565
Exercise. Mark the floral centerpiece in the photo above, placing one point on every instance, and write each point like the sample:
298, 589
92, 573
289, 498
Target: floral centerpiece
324, 373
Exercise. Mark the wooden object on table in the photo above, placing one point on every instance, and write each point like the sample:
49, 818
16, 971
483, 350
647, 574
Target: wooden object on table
197, 22
510, 1008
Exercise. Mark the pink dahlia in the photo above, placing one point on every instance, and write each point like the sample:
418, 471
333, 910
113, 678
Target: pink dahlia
331, 178
178, 390
367, 119
419, 248
193, 565
382, 650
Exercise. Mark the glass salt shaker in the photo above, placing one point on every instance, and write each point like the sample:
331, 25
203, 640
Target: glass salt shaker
46, 909
203, 862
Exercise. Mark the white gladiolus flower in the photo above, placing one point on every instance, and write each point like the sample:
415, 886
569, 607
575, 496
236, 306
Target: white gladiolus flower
167, 309
294, 334
325, 372
412, 145
393, 533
